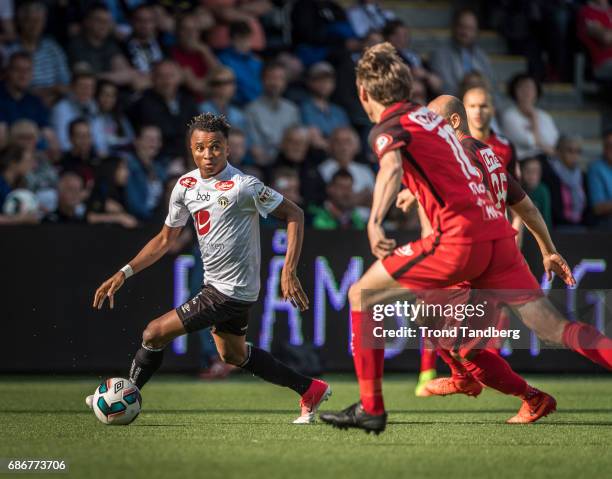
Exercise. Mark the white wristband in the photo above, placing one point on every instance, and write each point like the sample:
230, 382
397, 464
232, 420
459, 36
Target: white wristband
127, 271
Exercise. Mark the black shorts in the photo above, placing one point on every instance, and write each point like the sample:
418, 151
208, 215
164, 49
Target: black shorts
211, 308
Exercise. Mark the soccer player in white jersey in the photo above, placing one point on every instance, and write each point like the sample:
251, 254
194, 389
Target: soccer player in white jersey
225, 204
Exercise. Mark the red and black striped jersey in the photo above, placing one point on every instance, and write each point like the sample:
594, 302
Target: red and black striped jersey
504, 188
439, 174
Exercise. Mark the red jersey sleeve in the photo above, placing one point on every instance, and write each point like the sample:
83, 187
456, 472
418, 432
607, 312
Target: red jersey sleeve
387, 136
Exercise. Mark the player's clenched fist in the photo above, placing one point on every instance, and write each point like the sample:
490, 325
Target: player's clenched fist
292, 290
380, 245
108, 289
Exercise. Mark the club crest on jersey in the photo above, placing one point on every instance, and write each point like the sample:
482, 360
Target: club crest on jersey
188, 182
222, 201
405, 250
382, 141
224, 185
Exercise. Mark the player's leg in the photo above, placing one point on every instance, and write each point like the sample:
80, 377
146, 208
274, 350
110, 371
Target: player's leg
427, 371
233, 349
460, 382
155, 337
550, 325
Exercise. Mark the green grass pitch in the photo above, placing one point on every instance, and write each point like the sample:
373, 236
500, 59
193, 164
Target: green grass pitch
241, 428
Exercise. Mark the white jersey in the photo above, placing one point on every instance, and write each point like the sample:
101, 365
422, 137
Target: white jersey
225, 214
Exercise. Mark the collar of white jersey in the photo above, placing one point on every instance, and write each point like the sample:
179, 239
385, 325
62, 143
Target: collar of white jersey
224, 174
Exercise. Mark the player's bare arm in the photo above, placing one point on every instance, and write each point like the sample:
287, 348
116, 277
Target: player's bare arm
553, 261
152, 251
388, 182
290, 284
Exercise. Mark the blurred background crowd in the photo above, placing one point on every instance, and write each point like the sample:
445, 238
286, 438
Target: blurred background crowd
95, 99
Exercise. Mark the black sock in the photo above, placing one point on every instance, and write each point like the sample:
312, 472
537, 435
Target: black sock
261, 363
144, 365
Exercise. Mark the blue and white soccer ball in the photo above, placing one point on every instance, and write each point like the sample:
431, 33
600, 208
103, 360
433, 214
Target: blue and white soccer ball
20, 201
117, 401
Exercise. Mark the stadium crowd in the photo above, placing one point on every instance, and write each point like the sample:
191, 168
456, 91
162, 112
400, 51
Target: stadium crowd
96, 96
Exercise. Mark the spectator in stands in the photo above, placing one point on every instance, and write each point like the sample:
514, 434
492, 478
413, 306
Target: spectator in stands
338, 210
396, 32
143, 49
16, 102
287, 182
227, 12
107, 203
96, 47
7, 29
318, 26
461, 55
532, 130
50, 66
531, 177
418, 93
600, 185
595, 31
296, 153
110, 127
222, 84
567, 183
343, 149
367, 16
318, 113
71, 193
16, 163
194, 56
167, 107
81, 157
246, 65
237, 143
145, 186
270, 115
42, 179
79, 103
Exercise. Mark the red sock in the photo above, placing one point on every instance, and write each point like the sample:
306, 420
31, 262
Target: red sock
369, 366
494, 371
588, 341
456, 367
428, 359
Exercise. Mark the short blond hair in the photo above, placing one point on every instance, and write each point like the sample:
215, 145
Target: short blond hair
384, 75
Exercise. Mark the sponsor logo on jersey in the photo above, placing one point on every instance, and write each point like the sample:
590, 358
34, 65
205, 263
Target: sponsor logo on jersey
382, 142
264, 194
405, 250
203, 197
188, 182
222, 201
185, 308
202, 218
490, 159
224, 185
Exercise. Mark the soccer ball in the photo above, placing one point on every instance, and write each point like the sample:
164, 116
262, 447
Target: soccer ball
117, 401
20, 201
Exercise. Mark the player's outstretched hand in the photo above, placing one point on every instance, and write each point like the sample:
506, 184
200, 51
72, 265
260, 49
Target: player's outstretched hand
108, 290
555, 263
292, 290
380, 245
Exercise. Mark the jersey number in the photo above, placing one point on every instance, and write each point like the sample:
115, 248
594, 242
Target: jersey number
202, 218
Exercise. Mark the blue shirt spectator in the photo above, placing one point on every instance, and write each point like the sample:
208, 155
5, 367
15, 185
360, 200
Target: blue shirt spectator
145, 186
599, 178
245, 65
15, 101
326, 119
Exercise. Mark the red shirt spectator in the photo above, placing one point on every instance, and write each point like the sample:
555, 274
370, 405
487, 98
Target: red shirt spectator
595, 30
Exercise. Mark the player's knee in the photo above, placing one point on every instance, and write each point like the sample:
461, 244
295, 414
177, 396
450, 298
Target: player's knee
152, 336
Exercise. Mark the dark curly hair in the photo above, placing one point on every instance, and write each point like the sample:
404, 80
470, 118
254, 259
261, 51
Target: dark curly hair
209, 122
